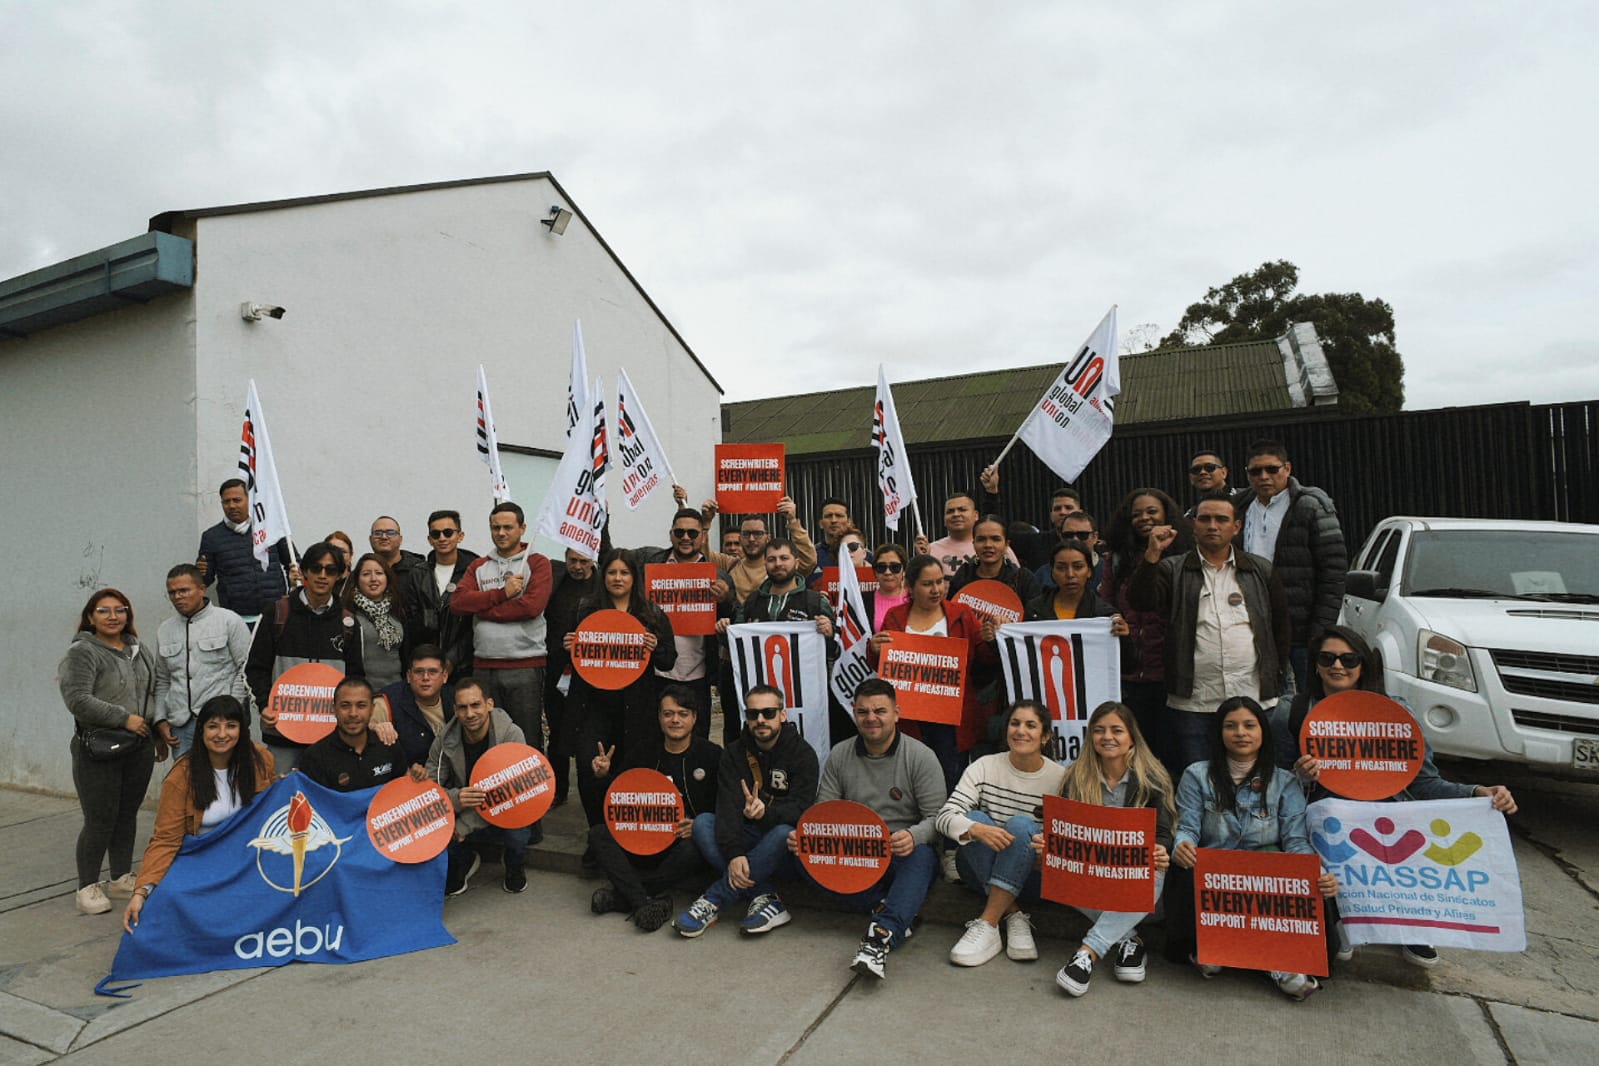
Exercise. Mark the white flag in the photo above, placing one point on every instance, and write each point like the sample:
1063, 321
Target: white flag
893, 463
574, 511
643, 460
269, 519
577, 394
1071, 667
488, 445
1072, 422
854, 628
791, 657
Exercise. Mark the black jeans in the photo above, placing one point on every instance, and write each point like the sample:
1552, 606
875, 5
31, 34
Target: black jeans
109, 794
638, 877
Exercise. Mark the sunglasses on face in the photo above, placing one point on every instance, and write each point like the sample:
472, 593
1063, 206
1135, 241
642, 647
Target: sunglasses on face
331, 569
685, 534
888, 568
1204, 468
1269, 470
1348, 660
852, 547
768, 713
442, 534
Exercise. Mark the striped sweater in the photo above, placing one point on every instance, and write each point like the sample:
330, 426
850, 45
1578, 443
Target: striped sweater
995, 787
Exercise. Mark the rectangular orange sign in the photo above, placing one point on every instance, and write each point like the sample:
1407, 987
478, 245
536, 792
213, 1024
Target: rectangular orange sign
1260, 910
683, 591
928, 673
1099, 858
750, 478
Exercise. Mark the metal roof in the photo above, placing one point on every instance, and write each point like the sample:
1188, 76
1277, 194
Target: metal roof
1160, 386
131, 271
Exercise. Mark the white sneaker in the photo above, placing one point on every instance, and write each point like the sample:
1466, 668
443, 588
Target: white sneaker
1295, 986
1346, 950
977, 945
1019, 943
121, 888
91, 900
951, 872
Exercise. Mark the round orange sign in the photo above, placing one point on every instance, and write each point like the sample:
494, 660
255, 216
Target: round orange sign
642, 809
302, 700
410, 821
843, 846
1368, 746
519, 783
993, 598
609, 651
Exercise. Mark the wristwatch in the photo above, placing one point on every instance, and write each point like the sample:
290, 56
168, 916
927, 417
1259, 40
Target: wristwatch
144, 890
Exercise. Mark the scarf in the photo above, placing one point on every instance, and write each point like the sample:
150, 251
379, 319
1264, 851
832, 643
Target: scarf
389, 630
237, 527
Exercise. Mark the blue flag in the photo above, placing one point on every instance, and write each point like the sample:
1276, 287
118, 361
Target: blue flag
293, 877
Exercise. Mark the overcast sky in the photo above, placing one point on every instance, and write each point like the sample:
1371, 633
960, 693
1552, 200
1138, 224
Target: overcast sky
810, 189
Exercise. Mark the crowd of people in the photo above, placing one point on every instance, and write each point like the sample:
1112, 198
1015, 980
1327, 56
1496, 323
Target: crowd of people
1226, 613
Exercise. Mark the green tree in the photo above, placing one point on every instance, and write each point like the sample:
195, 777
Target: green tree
1356, 334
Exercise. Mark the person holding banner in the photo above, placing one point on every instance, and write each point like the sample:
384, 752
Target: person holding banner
993, 815
1126, 538
1073, 596
373, 597
107, 681
1239, 800
991, 539
1117, 769
929, 611
1340, 661
572, 581
221, 774
618, 718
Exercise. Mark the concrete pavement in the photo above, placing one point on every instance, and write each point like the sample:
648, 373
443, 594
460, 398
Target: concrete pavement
537, 975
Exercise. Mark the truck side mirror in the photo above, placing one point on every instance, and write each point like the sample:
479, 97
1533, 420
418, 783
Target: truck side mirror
1365, 585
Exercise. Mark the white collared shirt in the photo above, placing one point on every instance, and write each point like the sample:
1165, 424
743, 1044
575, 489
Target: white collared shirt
1262, 522
1224, 642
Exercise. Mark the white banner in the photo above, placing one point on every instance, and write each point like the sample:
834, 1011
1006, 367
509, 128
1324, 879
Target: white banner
1439, 872
1072, 422
577, 387
1071, 667
854, 628
643, 460
488, 445
574, 511
269, 518
893, 462
791, 657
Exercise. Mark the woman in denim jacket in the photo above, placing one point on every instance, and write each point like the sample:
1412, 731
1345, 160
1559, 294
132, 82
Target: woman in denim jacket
1238, 800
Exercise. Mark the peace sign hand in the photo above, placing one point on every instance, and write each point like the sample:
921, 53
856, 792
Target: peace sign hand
602, 760
754, 806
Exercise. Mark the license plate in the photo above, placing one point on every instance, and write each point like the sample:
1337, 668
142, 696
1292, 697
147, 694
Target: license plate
1585, 754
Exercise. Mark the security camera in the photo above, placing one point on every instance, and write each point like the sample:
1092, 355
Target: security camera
254, 312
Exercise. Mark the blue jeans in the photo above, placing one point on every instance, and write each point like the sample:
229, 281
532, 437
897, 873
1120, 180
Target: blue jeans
514, 841
894, 900
1011, 868
767, 853
1112, 927
1187, 737
185, 736
941, 738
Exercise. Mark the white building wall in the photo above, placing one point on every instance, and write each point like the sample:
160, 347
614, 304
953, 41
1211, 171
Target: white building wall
98, 488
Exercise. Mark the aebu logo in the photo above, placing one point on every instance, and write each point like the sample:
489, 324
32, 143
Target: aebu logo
295, 830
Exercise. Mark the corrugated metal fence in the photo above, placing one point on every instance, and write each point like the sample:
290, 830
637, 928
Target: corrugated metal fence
1514, 460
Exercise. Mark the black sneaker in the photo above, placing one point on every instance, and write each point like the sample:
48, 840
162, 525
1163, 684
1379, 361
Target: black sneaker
1073, 978
1128, 964
515, 880
606, 900
454, 886
871, 958
656, 912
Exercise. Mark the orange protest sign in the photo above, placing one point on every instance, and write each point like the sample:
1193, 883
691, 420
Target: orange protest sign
302, 699
609, 651
843, 845
1369, 747
928, 673
1260, 910
410, 821
642, 809
827, 582
993, 598
519, 783
683, 591
750, 478
1099, 858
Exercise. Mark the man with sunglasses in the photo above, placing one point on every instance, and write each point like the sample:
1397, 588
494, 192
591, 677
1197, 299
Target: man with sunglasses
697, 657
1296, 527
766, 780
306, 626
428, 588
1206, 473
386, 538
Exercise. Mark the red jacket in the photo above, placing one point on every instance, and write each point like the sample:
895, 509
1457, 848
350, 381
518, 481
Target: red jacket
962, 622
493, 606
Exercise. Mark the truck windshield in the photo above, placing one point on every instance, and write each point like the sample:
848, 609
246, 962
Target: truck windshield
1516, 564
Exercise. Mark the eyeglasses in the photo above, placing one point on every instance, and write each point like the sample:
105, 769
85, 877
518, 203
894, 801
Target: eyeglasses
1204, 468
331, 569
110, 611
1348, 660
426, 671
388, 533
888, 568
442, 534
685, 534
1271, 470
852, 547
752, 532
768, 713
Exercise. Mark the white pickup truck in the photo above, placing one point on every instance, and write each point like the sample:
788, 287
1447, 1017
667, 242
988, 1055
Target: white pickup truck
1490, 631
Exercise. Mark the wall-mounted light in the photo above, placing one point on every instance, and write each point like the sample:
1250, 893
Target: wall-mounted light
254, 312
559, 217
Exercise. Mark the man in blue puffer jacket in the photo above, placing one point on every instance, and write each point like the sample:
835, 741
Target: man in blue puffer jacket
225, 558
